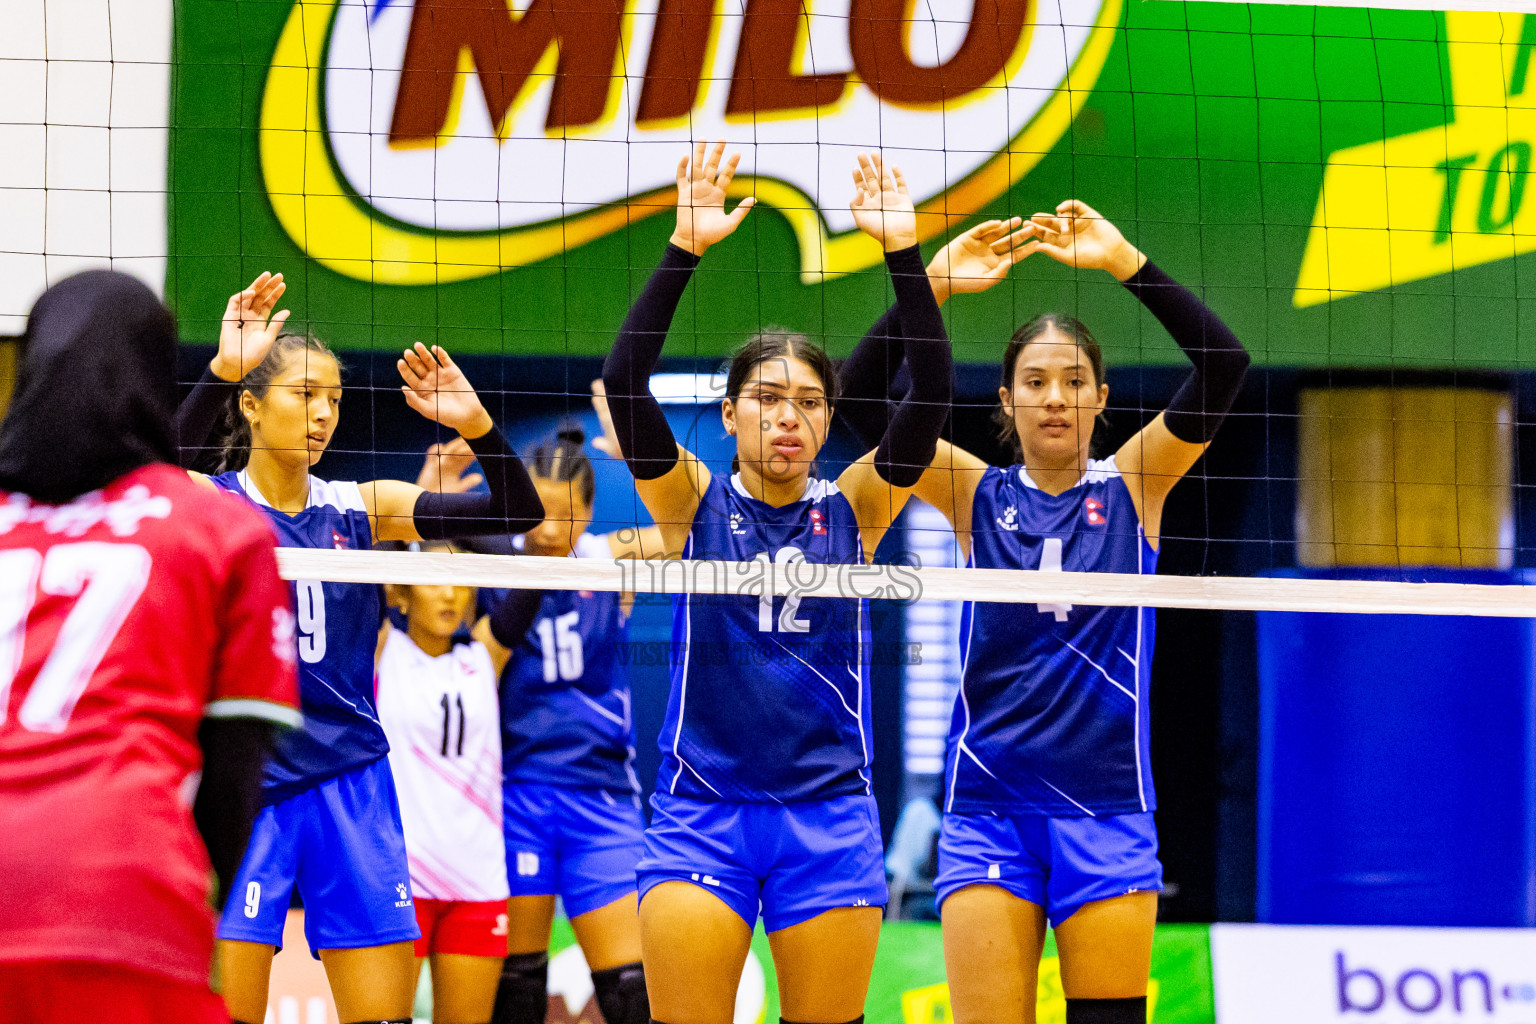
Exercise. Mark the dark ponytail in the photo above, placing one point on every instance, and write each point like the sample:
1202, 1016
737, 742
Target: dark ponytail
236, 430
561, 458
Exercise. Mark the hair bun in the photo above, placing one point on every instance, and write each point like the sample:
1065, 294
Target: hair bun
571, 433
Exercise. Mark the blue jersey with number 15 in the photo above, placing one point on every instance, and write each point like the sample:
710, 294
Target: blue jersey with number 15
337, 631
565, 707
1052, 717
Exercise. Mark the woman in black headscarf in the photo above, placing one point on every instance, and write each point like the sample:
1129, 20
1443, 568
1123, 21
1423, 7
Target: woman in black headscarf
141, 627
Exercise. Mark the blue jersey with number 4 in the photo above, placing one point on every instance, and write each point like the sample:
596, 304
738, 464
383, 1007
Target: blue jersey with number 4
337, 631
565, 707
770, 695
1052, 717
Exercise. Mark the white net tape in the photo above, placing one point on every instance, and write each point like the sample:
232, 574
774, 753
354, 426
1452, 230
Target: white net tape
907, 583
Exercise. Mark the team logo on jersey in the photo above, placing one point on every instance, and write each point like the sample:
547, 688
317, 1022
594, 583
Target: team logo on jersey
736, 524
1009, 520
818, 521
338, 541
393, 133
404, 895
527, 863
1095, 510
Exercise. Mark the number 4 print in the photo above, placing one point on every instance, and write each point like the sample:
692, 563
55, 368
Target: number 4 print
107, 579
1050, 561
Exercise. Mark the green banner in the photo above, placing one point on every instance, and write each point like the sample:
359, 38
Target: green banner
1347, 185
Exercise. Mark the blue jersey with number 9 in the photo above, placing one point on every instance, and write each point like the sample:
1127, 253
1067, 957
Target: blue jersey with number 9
1052, 717
770, 695
337, 629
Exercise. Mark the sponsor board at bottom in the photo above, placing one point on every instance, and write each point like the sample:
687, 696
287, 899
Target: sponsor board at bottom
1269, 974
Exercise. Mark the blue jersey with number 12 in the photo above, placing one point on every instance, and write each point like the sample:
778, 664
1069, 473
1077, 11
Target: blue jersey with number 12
1052, 717
770, 695
338, 629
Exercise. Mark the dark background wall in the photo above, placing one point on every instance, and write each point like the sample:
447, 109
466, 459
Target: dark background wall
1234, 515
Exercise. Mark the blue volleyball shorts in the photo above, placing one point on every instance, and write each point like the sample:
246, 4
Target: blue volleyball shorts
579, 844
342, 846
1060, 864
791, 861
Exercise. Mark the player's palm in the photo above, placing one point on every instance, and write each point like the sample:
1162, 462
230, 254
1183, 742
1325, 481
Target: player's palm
250, 326
608, 442
982, 256
882, 206
443, 470
1079, 236
702, 183
438, 389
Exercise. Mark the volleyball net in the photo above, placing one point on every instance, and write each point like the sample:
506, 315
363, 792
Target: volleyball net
907, 583
1344, 186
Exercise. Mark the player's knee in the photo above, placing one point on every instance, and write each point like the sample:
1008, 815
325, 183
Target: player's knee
621, 994
522, 996
1107, 1011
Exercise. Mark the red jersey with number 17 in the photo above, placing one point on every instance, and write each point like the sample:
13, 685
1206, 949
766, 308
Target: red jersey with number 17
126, 617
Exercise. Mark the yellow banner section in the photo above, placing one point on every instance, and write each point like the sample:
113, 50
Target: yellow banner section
931, 1005
1441, 199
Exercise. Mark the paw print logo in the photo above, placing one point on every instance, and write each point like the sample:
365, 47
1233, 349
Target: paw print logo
1009, 520
736, 520
402, 891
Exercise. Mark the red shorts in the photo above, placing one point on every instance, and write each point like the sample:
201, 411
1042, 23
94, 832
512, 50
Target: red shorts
456, 926
70, 991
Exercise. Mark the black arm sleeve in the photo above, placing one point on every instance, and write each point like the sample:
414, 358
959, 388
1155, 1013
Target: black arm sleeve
866, 377
638, 421
1205, 397
234, 754
913, 434
513, 506
198, 417
490, 544
511, 618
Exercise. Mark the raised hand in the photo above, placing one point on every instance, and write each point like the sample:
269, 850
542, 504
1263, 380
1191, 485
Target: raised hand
981, 257
882, 206
442, 472
438, 389
1080, 236
701, 184
249, 327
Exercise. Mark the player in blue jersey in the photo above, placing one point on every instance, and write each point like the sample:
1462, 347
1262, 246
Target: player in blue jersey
570, 809
330, 824
1048, 792
763, 803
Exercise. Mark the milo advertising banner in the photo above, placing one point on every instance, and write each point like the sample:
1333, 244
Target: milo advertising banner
1347, 185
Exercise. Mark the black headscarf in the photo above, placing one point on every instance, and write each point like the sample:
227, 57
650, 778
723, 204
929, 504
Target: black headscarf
97, 389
